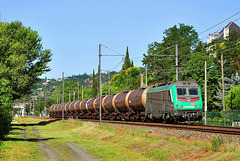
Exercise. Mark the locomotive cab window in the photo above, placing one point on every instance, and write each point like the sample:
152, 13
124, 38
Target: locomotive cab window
181, 91
193, 91
187, 91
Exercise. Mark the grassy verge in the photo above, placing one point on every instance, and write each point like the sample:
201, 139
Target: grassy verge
14, 147
111, 143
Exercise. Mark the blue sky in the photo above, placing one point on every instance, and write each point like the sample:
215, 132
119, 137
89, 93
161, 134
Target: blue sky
73, 29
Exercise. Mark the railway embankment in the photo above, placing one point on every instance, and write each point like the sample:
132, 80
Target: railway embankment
76, 140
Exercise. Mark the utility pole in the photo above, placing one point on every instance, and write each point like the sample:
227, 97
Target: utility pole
82, 92
62, 95
78, 90
146, 76
59, 94
176, 62
108, 82
39, 106
45, 96
100, 87
223, 82
73, 95
33, 105
69, 96
205, 93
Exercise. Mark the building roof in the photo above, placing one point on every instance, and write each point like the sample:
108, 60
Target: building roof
232, 26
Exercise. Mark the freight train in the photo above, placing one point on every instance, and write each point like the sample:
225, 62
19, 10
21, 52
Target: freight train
172, 102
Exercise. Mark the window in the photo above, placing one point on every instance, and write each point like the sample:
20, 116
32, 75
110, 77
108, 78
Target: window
193, 91
182, 91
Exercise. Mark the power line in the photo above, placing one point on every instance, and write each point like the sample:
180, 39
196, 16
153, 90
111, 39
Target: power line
112, 49
219, 23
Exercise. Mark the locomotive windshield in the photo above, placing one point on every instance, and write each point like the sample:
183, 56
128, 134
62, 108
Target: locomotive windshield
182, 91
193, 91
187, 91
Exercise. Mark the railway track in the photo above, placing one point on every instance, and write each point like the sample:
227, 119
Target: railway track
208, 129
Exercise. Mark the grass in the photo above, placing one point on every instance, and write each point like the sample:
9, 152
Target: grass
111, 143
15, 148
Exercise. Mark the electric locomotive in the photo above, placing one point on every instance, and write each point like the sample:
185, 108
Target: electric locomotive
179, 101
174, 102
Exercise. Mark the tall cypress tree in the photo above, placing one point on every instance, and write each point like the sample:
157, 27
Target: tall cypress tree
127, 63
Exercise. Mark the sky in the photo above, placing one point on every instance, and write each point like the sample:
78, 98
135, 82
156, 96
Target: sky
73, 29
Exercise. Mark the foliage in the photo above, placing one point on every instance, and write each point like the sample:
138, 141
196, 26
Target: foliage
5, 107
23, 55
216, 142
127, 63
22, 60
126, 80
229, 83
233, 99
159, 57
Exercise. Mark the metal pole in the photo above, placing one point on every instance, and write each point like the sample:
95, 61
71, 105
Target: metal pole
82, 92
45, 94
176, 62
100, 88
223, 83
39, 107
146, 75
73, 95
108, 82
69, 96
59, 97
33, 106
205, 93
62, 95
78, 90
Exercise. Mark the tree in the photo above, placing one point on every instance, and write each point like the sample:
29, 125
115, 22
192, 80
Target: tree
5, 105
22, 61
233, 99
230, 49
229, 84
23, 55
162, 66
127, 63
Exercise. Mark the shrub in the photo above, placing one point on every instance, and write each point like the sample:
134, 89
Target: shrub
216, 142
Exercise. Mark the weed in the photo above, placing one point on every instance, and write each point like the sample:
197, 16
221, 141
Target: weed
216, 142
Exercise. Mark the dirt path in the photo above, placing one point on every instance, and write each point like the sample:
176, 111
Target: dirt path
82, 154
76, 153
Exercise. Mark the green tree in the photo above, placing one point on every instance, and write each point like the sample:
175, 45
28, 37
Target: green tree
22, 61
230, 49
233, 99
127, 63
126, 80
133, 78
23, 55
160, 64
5, 105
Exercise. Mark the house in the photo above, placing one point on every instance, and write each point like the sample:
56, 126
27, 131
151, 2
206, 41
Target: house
224, 33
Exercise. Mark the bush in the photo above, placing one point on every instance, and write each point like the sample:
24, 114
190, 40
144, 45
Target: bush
216, 142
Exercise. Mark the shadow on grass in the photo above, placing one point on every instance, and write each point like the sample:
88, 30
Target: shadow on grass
31, 140
42, 123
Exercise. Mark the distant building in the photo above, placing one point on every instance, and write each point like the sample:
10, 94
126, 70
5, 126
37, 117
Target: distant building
20, 107
224, 33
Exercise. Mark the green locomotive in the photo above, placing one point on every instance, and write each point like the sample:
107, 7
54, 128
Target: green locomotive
176, 101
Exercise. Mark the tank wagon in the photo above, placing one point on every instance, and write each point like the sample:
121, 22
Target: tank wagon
178, 101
